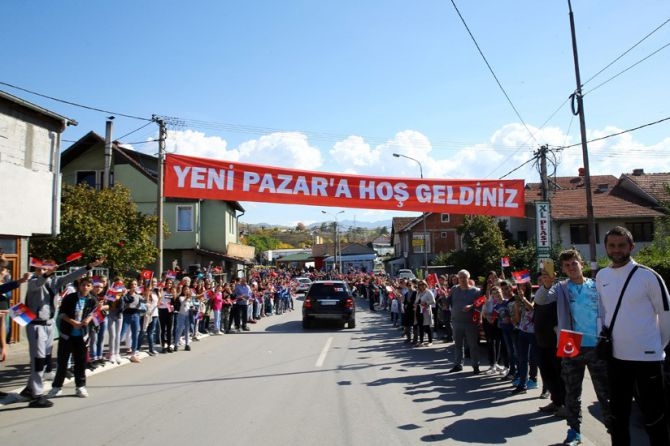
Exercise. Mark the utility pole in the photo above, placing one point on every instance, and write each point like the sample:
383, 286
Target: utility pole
578, 97
543, 172
162, 136
107, 173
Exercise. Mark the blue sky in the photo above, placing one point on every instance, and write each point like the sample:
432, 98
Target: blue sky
341, 85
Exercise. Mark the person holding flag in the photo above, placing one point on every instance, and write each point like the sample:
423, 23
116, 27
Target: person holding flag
75, 315
579, 309
42, 288
463, 297
5, 288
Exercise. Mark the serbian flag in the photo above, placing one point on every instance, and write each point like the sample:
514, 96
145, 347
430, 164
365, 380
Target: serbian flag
147, 274
481, 300
170, 274
36, 263
97, 316
74, 256
217, 270
21, 314
504, 262
568, 344
522, 276
96, 281
431, 279
114, 289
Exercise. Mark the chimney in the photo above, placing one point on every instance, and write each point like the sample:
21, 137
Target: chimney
638, 172
581, 171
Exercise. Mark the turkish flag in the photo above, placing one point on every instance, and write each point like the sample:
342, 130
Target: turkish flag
74, 256
481, 300
147, 274
431, 279
568, 344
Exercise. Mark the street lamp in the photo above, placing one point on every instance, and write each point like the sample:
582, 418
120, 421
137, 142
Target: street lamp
337, 237
423, 214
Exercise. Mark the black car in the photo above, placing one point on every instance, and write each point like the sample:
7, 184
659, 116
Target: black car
329, 300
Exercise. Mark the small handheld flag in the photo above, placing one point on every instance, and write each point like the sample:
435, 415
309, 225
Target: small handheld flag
98, 317
522, 276
21, 314
74, 256
504, 262
569, 343
147, 274
481, 300
432, 279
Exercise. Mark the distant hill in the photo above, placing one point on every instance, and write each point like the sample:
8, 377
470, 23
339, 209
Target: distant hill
344, 224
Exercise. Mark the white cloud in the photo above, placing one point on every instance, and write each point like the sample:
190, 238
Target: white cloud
282, 149
356, 151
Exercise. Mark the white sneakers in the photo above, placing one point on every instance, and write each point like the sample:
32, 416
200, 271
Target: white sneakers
81, 392
55, 391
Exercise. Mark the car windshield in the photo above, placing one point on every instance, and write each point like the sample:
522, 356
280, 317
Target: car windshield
328, 291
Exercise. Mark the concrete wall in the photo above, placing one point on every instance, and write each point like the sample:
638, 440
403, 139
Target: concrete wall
26, 147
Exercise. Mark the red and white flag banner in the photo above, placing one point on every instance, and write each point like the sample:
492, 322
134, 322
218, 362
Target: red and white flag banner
201, 178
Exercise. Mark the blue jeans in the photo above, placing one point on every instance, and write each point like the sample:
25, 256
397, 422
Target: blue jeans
132, 320
183, 326
510, 347
527, 355
97, 340
217, 321
151, 328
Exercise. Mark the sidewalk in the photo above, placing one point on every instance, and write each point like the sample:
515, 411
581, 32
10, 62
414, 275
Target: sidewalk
15, 370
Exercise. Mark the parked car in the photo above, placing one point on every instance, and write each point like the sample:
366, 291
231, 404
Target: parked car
302, 284
405, 274
329, 300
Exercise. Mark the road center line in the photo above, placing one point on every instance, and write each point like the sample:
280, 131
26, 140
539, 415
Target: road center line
324, 352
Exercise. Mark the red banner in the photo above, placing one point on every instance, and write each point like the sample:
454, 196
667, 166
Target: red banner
200, 178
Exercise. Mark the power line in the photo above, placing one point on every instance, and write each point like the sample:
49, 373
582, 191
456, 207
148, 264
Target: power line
626, 69
481, 53
616, 134
74, 103
627, 51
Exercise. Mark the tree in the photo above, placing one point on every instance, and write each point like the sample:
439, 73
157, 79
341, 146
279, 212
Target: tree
263, 242
656, 255
300, 227
101, 223
483, 243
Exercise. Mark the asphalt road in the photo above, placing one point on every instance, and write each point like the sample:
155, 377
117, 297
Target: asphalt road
281, 385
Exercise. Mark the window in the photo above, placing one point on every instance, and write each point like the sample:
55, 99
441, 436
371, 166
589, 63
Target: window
642, 231
522, 236
417, 242
184, 218
443, 234
579, 234
444, 218
93, 178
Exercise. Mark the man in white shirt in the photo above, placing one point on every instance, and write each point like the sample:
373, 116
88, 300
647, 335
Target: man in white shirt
640, 333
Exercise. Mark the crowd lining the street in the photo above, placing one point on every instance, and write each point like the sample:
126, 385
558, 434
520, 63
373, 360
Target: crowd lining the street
520, 326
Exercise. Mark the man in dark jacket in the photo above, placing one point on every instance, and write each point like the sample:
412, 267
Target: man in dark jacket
75, 315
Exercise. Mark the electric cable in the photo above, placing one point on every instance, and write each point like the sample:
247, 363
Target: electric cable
74, 103
626, 52
481, 53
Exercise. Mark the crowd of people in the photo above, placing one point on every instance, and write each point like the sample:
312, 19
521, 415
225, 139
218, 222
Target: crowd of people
521, 326
143, 313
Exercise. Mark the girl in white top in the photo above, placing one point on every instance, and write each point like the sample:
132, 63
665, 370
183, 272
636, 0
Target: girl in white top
425, 301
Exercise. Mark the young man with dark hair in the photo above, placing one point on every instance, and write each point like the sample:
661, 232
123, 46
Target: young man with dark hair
74, 317
640, 333
578, 309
